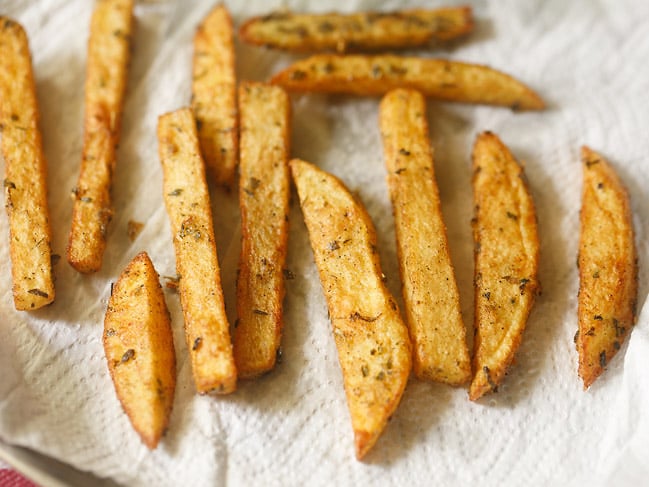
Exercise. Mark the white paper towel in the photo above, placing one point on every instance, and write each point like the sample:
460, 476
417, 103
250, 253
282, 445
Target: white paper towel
587, 60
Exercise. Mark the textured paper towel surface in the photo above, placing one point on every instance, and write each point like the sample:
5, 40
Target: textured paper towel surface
587, 59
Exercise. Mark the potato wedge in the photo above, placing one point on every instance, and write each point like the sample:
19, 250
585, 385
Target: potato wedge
437, 78
214, 95
264, 190
430, 292
506, 260
108, 57
372, 340
356, 31
139, 349
608, 268
201, 296
25, 180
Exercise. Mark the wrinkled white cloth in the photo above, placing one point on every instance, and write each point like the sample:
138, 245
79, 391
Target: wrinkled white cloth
588, 60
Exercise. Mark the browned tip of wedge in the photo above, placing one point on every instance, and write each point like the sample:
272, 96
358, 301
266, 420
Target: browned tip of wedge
10, 25
436, 78
608, 271
138, 343
364, 441
483, 383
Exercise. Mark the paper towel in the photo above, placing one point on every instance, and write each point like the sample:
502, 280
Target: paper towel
587, 60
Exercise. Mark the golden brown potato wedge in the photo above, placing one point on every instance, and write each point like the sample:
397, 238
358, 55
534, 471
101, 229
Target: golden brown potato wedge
201, 296
430, 292
264, 190
506, 260
372, 340
357, 31
25, 173
437, 78
140, 350
214, 96
108, 56
608, 270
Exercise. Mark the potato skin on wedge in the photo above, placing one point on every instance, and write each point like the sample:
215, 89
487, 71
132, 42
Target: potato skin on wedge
436, 78
432, 302
139, 349
372, 340
608, 268
506, 261
356, 31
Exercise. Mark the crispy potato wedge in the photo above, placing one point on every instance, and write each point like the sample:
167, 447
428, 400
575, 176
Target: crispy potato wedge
139, 349
214, 95
506, 260
357, 31
201, 296
264, 190
108, 57
25, 180
608, 268
437, 78
372, 340
430, 292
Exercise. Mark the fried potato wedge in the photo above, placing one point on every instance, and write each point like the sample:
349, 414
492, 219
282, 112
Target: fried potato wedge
506, 260
608, 269
25, 180
357, 31
214, 99
111, 29
140, 350
372, 340
264, 190
188, 204
436, 78
430, 292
